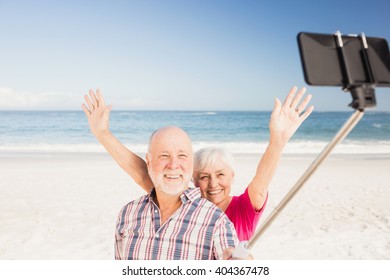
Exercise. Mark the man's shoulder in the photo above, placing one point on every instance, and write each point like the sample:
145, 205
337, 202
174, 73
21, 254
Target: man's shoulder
141, 200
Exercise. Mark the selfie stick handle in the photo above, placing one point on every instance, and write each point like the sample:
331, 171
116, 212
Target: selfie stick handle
343, 132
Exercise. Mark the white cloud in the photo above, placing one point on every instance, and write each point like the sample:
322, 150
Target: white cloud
25, 100
11, 99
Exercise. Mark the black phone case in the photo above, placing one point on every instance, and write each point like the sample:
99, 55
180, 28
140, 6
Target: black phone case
322, 64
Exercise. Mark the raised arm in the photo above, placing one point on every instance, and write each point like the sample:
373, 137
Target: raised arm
98, 115
285, 120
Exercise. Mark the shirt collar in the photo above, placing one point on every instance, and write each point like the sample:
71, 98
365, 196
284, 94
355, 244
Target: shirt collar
188, 195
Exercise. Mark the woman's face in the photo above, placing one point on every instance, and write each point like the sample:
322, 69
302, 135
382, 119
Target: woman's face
214, 181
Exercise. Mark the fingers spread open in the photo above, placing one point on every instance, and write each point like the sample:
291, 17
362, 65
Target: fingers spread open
85, 109
304, 103
298, 98
100, 98
95, 102
89, 103
289, 97
304, 116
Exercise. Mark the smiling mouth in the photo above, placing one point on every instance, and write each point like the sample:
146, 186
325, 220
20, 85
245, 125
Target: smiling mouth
172, 177
214, 192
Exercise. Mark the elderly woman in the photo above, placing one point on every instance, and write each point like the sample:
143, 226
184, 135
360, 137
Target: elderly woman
213, 172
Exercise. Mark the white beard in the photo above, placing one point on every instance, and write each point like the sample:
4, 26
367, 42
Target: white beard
172, 189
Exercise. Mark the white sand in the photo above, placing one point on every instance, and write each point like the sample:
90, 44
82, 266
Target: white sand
64, 206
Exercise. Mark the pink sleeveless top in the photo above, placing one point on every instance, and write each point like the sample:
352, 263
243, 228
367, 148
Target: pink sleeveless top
241, 213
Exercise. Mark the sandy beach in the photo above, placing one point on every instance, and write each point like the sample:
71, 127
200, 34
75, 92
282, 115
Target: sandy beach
64, 206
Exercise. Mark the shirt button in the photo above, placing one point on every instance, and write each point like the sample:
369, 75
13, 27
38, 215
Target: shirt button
157, 235
155, 211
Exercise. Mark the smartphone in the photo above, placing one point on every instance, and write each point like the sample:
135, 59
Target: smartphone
324, 64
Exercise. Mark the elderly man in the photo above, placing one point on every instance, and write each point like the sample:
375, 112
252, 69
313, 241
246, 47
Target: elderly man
173, 222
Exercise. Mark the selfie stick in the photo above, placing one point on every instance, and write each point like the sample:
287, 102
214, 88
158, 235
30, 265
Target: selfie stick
343, 132
242, 251
363, 96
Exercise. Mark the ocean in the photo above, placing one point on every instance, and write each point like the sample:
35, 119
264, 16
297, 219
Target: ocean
237, 131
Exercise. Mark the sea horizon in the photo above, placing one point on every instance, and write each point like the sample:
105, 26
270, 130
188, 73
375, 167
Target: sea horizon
348, 109
236, 131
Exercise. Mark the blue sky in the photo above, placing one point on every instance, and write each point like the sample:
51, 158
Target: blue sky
171, 55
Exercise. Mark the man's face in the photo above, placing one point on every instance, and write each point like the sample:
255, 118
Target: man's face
170, 160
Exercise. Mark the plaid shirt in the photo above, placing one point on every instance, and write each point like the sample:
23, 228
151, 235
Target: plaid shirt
198, 230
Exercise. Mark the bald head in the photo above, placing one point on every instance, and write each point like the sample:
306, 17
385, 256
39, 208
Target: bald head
169, 132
